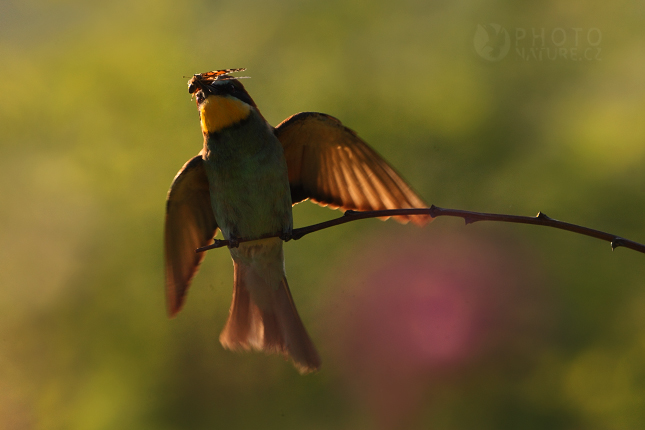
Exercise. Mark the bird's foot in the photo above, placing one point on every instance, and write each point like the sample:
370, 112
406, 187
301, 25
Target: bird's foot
233, 242
286, 236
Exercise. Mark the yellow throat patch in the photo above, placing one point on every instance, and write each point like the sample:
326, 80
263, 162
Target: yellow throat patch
218, 112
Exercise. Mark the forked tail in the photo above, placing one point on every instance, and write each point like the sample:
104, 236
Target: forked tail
263, 317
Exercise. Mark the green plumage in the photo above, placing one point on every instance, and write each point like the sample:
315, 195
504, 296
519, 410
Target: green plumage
249, 185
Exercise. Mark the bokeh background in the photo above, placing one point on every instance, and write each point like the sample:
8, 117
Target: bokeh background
487, 326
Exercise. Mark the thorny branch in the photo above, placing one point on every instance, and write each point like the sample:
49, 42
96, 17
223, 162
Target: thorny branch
435, 211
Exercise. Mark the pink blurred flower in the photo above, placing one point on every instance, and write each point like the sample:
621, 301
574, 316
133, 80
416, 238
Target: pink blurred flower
428, 310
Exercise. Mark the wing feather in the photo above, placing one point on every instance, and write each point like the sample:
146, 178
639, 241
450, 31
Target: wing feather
190, 224
331, 165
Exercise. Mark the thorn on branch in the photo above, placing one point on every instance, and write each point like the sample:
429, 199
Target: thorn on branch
469, 220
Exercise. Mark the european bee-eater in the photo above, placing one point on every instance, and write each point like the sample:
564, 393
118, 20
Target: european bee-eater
244, 182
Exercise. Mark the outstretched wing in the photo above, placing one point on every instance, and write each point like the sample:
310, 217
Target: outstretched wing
330, 164
190, 224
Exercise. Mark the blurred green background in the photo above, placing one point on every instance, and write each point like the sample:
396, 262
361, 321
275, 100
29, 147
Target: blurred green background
488, 326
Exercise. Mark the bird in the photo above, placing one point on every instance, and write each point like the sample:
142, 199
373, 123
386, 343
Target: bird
244, 182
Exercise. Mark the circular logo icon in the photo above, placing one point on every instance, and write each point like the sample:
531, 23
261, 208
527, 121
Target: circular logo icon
491, 41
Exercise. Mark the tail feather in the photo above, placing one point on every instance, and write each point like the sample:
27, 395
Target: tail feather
265, 318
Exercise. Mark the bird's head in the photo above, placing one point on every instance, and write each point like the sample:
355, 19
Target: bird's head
222, 100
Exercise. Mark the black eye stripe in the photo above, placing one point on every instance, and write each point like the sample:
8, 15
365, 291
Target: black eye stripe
233, 91
242, 95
